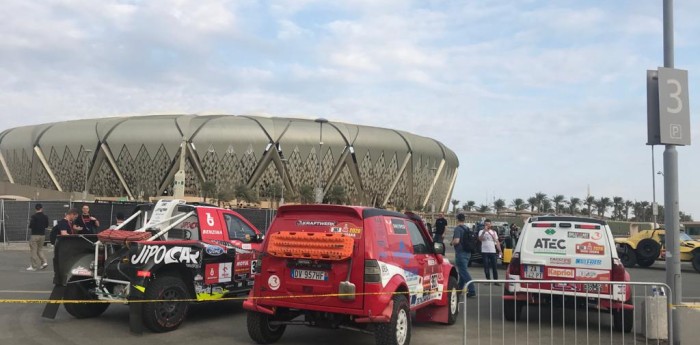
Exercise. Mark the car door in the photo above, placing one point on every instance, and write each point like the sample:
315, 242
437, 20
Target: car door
425, 264
218, 270
240, 235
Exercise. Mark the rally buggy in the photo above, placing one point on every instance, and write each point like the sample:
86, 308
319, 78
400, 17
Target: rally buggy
173, 253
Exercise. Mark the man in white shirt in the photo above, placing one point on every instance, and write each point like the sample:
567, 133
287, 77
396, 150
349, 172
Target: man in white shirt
490, 247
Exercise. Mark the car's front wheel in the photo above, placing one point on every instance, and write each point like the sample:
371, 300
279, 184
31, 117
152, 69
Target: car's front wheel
260, 330
452, 300
398, 330
79, 289
171, 310
648, 249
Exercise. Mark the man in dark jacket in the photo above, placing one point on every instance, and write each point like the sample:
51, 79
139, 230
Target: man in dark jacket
440, 225
38, 224
86, 223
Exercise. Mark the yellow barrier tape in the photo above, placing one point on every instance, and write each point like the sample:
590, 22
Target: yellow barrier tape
123, 301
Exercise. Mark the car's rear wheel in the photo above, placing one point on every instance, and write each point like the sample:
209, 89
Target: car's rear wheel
696, 260
648, 249
260, 330
623, 320
627, 256
398, 330
512, 310
645, 262
78, 289
168, 314
452, 301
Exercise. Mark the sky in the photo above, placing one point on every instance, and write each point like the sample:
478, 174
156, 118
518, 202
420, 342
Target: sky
532, 96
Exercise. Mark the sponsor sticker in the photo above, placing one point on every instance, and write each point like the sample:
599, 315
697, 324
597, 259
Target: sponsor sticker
587, 274
560, 272
560, 261
315, 223
273, 282
550, 232
590, 248
163, 254
398, 226
225, 272
578, 234
214, 250
589, 262
596, 235
246, 246
550, 246
211, 232
347, 229
81, 271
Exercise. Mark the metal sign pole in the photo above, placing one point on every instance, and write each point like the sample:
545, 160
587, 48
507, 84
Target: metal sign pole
671, 207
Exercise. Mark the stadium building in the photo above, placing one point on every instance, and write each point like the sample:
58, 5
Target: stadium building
138, 156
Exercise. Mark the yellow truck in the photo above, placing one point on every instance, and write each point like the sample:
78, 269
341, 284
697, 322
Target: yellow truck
647, 246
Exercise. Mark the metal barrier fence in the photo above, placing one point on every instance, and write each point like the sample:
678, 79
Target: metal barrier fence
14, 215
572, 312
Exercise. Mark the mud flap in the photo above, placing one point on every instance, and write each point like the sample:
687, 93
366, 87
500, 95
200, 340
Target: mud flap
136, 318
433, 313
51, 309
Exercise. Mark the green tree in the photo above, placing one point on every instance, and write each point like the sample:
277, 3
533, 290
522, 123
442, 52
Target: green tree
574, 202
336, 195
541, 197
272, 192
224, 195
628, 204
306, 194
547, 206
470, 205
242, 192
589, 202
498, 205
208, 189
532, 201
518, 204
455, 202
483, 208
558, 201
618, 203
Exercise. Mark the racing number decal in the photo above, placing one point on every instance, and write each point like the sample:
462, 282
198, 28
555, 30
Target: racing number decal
253, 266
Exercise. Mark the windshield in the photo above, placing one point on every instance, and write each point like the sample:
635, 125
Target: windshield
685, 237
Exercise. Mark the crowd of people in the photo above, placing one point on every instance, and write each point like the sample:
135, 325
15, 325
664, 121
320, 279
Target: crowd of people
73, 223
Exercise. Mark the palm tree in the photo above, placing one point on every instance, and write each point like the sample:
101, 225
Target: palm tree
589, 202
518, 204
455, 202
470, 205
573, 203
547, 206
541, 197
602, 205
618, 203
306, 194
628, 205
208, 189
483, 208
533, 203
644, 211
336, 195
498, 205
558, 200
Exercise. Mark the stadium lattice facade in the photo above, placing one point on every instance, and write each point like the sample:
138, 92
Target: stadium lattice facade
138, 156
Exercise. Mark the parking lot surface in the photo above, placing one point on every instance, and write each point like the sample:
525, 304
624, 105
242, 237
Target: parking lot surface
225, 322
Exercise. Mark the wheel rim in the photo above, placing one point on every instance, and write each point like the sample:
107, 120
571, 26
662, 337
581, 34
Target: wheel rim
167, 311
453, 302
401, 327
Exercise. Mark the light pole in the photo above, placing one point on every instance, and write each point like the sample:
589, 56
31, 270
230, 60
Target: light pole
319, 187
87, 170
284, 163
654, 209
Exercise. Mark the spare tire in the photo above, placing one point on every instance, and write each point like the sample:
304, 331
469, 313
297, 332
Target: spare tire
648, 249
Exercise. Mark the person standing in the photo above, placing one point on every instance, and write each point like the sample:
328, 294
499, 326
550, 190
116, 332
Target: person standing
65, 225
120, 220
38, 224
463, 252
440, 225
490, 247
86, 223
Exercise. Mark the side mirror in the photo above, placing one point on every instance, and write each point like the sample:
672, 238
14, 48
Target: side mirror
439, 248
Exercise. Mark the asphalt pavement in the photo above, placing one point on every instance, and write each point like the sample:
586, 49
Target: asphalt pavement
225, 322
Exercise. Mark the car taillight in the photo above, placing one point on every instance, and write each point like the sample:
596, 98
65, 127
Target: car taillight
373, 273
544, 225
514, 266
618, 271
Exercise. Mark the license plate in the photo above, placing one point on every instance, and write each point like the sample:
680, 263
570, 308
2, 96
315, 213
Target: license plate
595, 288
309, 274
533, 272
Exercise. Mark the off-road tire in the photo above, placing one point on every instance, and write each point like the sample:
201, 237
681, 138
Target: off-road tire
623, 320
81, 291
648, 249
696, 260
259, 328
645, 262
165, 316
627, 256
452, 301
398, 330
512, 310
